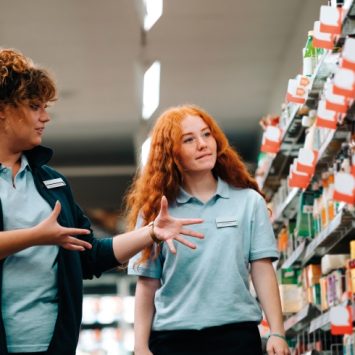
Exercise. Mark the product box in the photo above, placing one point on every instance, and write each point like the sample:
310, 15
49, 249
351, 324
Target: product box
288, 276
291, 298
314, 273
323, 293
333, 262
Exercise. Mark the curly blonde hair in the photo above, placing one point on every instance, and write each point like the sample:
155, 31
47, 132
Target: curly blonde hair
162, 173
21, 81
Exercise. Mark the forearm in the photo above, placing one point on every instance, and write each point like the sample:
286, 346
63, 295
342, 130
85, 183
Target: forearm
266, 287
14, 241
129, 244
144, 312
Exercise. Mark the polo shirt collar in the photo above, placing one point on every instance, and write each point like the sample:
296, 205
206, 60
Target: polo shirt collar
24, 163
222, 191
23, 166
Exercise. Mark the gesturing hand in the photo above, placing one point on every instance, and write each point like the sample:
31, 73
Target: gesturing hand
50, 232
167, 228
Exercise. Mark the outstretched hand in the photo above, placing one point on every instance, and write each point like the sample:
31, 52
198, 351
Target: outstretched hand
50, 232
168, 228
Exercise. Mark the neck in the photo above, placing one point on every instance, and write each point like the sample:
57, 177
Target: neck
202, 185
9, 157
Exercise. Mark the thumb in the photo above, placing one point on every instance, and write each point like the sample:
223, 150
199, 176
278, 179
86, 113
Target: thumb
163, 206
56, 210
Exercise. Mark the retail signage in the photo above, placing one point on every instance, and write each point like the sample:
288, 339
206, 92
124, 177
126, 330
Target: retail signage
348, 54
271, 141
344, 83
322, 39
344, 187
325, 118
307, 160
297, 89
331, 19
333, 102
341, 320
298, 178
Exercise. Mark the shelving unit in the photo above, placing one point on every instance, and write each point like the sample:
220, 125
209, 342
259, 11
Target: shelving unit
310, 321
334, 239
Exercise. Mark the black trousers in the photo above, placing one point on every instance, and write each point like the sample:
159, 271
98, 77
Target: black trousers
229, 339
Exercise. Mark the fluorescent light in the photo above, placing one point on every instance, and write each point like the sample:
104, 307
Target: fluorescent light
153, 11
151, 90
145, 151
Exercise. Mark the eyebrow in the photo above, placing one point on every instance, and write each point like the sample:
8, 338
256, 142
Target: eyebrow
203, 129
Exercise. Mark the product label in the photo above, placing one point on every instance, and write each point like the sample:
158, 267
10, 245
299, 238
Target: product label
308, 66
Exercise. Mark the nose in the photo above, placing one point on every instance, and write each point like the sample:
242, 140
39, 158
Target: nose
201, 143
44, 117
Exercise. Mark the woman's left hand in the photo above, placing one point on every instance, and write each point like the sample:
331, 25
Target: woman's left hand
277, 346
167, 228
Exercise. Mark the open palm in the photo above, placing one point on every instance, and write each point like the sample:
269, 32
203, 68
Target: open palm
168, 228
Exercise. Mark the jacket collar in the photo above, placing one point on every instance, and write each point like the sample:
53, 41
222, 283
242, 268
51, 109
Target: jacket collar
38, 156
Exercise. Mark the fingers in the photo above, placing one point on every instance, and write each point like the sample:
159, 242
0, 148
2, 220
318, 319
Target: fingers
185, 242
185, 221
163, 206
171, 246
77, 242
56, 210
192, 233
72, 247
76, 231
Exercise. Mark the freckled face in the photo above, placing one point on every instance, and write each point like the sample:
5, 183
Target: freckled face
198, 151
25, 125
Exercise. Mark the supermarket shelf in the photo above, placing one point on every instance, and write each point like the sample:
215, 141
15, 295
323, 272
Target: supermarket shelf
289, 146
288, 207
348, 27
295, 257
301, 319
326, 66
333, 239
320, 322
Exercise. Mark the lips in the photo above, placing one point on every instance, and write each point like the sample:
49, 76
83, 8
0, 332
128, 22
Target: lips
204, 156
40, 130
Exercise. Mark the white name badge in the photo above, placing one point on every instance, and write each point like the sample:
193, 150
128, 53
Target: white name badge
226, 222
51, 184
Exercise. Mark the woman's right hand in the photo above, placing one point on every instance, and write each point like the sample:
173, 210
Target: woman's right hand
50, 232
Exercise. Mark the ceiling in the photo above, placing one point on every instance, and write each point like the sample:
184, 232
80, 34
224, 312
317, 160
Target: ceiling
231, 57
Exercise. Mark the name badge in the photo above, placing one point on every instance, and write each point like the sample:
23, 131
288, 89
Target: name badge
226, 222
51, 184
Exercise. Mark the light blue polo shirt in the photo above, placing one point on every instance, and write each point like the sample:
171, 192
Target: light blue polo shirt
29, 287
209, 286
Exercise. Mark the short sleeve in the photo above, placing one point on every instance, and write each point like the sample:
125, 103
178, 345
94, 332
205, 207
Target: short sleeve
151, 268
263, 241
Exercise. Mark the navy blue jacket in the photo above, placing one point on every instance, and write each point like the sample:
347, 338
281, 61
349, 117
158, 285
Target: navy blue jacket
73, 266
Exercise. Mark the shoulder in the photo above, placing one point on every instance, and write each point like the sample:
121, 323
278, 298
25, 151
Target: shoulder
247, 193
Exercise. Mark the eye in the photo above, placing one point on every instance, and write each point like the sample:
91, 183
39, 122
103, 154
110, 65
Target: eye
34, 107
207, 134
188, 140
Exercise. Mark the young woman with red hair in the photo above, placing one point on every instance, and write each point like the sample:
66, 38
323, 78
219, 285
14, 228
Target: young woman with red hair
198, 301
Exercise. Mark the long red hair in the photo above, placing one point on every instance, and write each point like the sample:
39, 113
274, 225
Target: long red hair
162, 172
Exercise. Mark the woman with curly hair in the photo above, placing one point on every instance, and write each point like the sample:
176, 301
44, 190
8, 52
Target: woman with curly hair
198, 301
42, 260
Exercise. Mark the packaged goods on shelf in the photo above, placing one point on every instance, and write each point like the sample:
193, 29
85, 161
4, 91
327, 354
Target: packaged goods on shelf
291, 298
332, 262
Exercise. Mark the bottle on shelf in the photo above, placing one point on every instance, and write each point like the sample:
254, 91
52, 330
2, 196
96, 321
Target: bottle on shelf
309, 56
